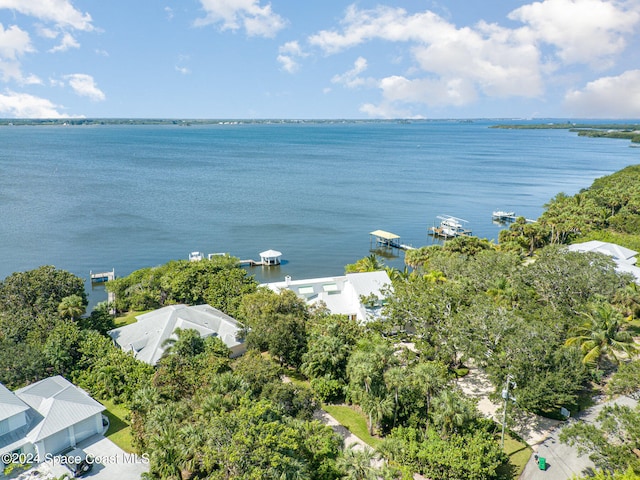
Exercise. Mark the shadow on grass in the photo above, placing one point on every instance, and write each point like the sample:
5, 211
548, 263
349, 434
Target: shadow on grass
506, 471
116, 423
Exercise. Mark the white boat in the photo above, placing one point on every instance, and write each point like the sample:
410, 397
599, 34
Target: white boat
503, 216
450, 227
196, 256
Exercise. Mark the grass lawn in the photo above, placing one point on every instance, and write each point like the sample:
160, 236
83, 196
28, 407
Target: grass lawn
519, 454
127, 319
634, 327
119, 429
354, 421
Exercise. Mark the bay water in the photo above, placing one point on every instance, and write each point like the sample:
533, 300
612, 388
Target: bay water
130, 196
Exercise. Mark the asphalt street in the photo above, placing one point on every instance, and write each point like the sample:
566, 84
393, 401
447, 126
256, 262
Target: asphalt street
562, 460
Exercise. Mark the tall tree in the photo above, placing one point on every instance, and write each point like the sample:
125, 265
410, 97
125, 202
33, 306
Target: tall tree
601, 335
72, 307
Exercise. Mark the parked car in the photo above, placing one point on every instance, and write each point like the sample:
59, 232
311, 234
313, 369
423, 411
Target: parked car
78, 462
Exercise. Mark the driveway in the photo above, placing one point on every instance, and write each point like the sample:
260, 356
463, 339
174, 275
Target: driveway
562, 460
112, 463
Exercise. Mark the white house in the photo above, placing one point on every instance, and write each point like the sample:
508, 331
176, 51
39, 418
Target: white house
146, 337
624, 258
46, 418
342, 295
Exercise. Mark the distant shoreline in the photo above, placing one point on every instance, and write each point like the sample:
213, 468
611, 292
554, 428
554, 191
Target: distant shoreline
625, 131
508, 122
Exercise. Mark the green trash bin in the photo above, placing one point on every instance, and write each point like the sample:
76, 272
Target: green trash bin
542, 463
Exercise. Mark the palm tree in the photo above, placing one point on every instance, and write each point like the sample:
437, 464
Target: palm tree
191, 442
429, 378
71, 307
395, 378
435, 276
398, 275
356, 463
628, 300
451, 411
378, 407
165, 455
601, 336
502, 293
367, 264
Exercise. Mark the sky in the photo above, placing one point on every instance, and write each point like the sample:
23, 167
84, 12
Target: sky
329, 59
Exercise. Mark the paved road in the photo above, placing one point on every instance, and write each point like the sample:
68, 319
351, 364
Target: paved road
562, 460
114, 463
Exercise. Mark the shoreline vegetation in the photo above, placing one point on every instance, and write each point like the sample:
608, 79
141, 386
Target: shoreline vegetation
624, 131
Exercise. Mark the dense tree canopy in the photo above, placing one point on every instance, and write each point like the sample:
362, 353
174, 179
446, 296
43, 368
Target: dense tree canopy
220, 282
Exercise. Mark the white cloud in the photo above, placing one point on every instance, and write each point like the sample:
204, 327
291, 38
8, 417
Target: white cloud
288, 55
386, 110
11, 71
22, 105
432, 92
288, 63
583, 31
613, 97
391, 24
351, 78
60, 12
169, 12
182, 70
14, 42
496, 59
68, 41
85, 86
257, 20
455, 64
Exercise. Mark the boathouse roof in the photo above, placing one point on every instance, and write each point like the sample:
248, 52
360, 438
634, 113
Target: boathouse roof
270, 254
385, 235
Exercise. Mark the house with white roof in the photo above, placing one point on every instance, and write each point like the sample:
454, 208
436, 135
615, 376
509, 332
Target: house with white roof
624, 258
360, 296
46, 418
146, 338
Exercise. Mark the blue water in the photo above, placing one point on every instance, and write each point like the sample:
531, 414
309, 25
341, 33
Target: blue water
99, 197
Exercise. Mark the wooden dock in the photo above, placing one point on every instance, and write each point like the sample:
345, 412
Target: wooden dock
251, 263
102, 277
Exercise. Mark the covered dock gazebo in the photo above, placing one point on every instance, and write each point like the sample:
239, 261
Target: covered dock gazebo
270, 257
386, 239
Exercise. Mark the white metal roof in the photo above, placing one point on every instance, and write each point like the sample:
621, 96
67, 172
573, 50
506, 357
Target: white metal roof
624, 257
60, 404
270, 254
340, 294
10, 405
613, 250
146, 336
